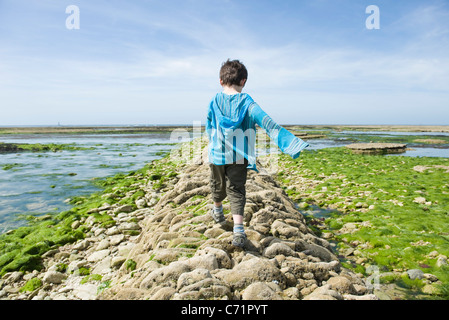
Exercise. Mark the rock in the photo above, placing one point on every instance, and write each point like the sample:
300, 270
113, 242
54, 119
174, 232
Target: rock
130, 294
176, 251
341, 284
98, 255
188, 278
75, 224
277, 249
116, 239
420, 200
207, 261
141, 203
281, 229
441, 261
54, 277
14, 277
167, 275
223, 260
163, 294
82, 245
377, 148
75, 266
124, 208
430, 289
260, 291
104, 244
129, 226
430, 277
87, 291
364, 297
116, 262
247, 272
102, 267
415, 274
324, 293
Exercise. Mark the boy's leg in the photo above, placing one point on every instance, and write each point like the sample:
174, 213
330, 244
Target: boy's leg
218, 190
235, 188
236, 175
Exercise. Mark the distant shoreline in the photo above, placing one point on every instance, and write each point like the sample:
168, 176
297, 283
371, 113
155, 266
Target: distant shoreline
117, 129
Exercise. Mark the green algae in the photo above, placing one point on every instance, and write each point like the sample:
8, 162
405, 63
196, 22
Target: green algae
22, 249
10, 166
31, 285
130, 265
401, 214
39, 147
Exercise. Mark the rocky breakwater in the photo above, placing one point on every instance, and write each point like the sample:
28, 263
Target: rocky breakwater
182, 254
170, 248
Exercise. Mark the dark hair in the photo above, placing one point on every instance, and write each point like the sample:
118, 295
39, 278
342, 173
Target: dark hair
232, 72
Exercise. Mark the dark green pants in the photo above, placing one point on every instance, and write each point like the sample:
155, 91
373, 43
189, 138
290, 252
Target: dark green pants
229, 180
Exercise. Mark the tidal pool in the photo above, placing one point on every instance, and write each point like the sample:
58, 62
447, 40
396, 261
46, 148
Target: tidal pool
41, 182
36, 183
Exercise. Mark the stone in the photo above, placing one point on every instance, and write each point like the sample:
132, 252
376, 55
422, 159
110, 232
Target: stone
104, 244
341, 284
441, 261
430, 277
167, 275
141, 203
87, 291
116, 239
129, 226
430, 289
207, 261
260, 291
176, 251
124, 208
164, 293
249, 271
14, 277
116, 262
415, 274
75, 224
54, 277
223, 260
130, 294
420, 200
82, 245
284, 230
277, 249
189, 278
98, 255
377, 148
324, 293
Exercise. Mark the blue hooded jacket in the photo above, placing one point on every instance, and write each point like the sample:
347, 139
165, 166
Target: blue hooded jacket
231, 129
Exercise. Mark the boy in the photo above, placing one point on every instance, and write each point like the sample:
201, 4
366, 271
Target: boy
231, 128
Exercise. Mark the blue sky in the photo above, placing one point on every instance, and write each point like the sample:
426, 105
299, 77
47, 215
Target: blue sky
157, 62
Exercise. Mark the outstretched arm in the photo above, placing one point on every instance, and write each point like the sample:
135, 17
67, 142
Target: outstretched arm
285, 140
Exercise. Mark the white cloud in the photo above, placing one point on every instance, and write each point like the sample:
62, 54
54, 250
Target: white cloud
179, 71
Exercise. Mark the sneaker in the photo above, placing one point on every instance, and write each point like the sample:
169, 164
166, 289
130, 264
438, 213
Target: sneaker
217, 214
239, 239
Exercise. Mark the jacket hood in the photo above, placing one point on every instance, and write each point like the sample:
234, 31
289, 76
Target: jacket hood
230, 110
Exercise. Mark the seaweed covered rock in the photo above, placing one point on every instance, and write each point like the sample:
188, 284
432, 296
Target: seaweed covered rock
170, 247
182, 253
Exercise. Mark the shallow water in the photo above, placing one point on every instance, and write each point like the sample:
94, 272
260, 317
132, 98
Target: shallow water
41, 182
396, 133
413, 151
